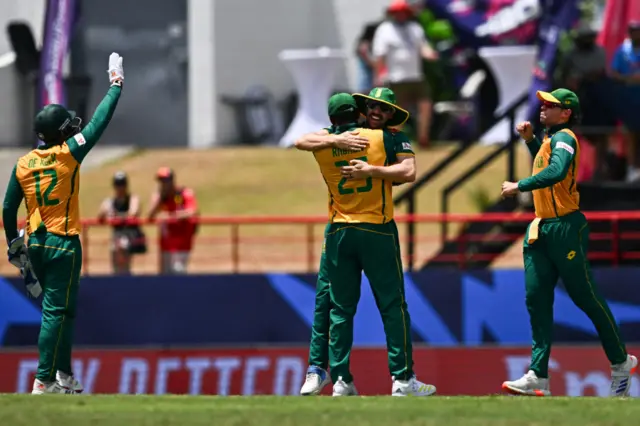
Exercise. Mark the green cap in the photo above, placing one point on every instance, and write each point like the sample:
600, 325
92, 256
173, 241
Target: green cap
385, 96
341, 103
564, 97
51, 120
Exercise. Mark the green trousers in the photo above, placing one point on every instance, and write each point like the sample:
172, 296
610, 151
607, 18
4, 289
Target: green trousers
57, 262
374, 249
560, 252
319, 346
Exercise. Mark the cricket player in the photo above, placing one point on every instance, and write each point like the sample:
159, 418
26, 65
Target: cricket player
361, 236
317, 376
381, 111
555, 246
47, 178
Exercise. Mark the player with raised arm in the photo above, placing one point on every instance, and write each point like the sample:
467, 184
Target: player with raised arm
555, 246
48, 179
362, 236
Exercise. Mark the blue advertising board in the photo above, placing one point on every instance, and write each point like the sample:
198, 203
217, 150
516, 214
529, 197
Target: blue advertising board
447, 307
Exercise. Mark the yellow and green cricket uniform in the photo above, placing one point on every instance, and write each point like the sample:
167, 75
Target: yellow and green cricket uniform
319, 346
362, 236
48, 179
555, 246
398, 144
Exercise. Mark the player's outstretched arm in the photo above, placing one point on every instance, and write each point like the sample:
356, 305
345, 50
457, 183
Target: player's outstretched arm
402, 172
349, 141
12, 199
314, 141
563, 151
82, 143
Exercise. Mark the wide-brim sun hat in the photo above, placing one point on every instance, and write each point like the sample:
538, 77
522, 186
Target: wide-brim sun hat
386, 96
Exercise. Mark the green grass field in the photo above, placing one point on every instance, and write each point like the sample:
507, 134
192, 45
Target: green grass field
18, 410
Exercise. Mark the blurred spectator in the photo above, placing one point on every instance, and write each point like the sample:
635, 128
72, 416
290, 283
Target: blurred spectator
127, 239
584, 72
399, 45
366, 61
176, 207
626, 70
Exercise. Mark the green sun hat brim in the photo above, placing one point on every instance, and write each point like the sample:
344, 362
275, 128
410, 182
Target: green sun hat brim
385, 96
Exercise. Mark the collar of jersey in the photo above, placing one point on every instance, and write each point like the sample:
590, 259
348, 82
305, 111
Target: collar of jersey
47, 146
554, 129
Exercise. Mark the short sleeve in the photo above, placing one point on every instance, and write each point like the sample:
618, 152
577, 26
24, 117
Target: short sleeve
402, 144
380, 40
397, 145
419, 32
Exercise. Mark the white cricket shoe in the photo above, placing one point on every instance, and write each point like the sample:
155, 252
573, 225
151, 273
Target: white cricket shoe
621, 377
529, 384
411, 387
40, 388
317, 379
340, 388
69, 382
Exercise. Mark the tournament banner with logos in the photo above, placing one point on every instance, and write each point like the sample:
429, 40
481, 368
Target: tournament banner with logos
448, 308
558, 17
575, 370
480, 23
59, 20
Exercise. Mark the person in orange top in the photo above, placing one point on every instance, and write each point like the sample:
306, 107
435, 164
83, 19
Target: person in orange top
48, 180
177, 207
555, 246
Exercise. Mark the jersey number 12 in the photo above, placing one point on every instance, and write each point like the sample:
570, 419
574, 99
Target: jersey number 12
43, 198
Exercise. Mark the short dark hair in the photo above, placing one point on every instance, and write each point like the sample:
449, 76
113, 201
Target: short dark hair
574, 119
345, 118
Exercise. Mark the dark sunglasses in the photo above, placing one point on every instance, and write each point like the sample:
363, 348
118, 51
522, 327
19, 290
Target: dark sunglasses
383, 107
550, 105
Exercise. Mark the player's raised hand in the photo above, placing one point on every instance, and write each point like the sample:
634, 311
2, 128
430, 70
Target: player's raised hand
525, 130
351, 141
116, 71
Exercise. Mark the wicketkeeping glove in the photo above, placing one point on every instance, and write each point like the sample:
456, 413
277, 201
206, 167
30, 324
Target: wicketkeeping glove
30, 280
17, 250
116, 72
19, 257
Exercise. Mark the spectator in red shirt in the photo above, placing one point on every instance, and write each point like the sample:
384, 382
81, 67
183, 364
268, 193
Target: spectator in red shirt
177, 208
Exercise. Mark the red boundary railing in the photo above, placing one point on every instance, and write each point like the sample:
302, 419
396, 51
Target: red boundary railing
235, 222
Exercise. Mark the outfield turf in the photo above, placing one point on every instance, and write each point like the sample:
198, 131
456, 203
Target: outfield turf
18, 410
